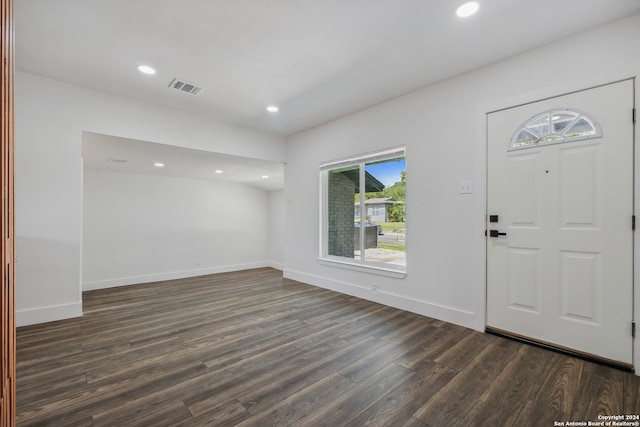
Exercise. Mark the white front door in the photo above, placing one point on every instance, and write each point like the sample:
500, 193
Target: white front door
560, 186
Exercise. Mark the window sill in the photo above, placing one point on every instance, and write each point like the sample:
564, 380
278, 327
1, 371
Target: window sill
365, 268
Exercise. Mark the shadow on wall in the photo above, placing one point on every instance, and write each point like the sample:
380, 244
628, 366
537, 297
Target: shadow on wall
47, 279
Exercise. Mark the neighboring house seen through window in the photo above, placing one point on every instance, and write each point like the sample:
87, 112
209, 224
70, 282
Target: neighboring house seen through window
376, 181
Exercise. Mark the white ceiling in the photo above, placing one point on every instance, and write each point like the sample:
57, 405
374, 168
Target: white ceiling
114, 154
316, 59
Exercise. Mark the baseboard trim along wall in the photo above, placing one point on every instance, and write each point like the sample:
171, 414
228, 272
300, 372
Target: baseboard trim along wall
447, 314
172, 275
276, 265
440, 312
33, 316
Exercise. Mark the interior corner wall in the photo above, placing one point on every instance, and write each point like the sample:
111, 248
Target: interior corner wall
276, 229
145, 228
50, 117
443, 127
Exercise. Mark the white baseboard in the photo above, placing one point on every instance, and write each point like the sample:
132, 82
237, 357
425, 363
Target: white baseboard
33, 316
157, 277
276, 265
436, 311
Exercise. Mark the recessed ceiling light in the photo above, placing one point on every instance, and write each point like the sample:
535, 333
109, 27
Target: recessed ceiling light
468, 9
158, 164
219, 171
146, 69
265, 176
272, 109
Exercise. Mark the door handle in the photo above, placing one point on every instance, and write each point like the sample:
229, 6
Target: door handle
496, 233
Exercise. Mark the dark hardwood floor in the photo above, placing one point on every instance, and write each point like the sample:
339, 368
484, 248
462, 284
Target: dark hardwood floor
253, 349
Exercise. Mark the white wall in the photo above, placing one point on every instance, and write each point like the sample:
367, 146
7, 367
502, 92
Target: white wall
276, 229
143, 228
50, 119
444, 128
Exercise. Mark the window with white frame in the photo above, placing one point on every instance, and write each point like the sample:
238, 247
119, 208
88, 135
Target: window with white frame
553, 127
370, 241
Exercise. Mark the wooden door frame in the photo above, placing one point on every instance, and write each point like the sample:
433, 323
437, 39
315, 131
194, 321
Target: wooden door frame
7, 246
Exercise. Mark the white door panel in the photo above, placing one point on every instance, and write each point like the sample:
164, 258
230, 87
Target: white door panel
562, 274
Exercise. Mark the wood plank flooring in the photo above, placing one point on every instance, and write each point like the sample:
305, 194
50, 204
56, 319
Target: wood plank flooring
253, 349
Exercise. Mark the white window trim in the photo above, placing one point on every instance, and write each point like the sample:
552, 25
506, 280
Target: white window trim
380, 268
391, 153
373, 268
563, 138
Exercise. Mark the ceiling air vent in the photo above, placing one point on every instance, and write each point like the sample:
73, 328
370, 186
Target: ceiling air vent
183, 86
114, 160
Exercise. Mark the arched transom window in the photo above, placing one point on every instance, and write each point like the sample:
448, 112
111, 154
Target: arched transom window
554, 127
